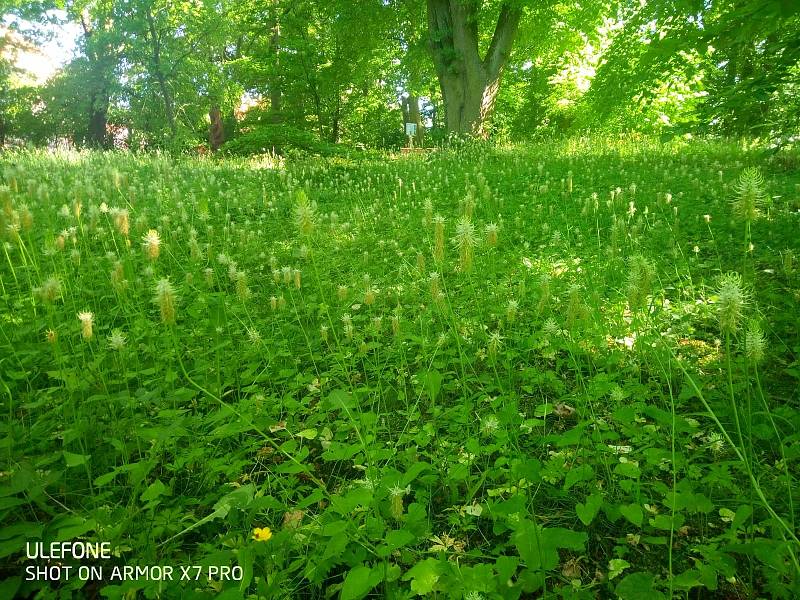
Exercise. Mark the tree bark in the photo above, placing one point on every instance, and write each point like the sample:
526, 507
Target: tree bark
468, 82
410, 106
97, 52
97, 131
216, 130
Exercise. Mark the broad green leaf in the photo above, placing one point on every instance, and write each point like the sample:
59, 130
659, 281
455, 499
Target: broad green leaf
356, 583
632, 512
688, 579
308, 434
432, 380
154, 490
616, 566
638, 586
577, 474
588, 510
75, 460
538, 547
424, 576
341, 400
395, 539
628, 469
666, 522
106, 478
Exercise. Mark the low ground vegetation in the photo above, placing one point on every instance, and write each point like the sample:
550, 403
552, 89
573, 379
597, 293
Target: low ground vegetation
567, 370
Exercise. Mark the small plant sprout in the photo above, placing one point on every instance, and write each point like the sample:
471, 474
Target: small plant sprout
395, 320
787, 258
639, 280
754, 342
347, 322
428, 208
544, 293
370, 294
512, 308
242, 290
715, 442
377, 325
750, 195
491, 230
731, 302
575, 307
121, 221
305, 218
396, 495
465, 240
433, 283
494, 344
550, 328
438, 238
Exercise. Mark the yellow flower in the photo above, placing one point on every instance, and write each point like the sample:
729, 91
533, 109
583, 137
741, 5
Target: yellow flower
262, 534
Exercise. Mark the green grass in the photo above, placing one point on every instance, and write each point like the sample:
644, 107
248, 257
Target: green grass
578, 403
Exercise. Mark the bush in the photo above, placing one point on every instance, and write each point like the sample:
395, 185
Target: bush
277, 138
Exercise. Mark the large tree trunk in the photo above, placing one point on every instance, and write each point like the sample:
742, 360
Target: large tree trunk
216, 130
335, 120
469, 83
97, 130
97, 118
410, 107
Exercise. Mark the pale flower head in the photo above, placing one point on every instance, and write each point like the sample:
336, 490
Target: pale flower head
167, 300
152, 243
117, 340
87, 319
50, 290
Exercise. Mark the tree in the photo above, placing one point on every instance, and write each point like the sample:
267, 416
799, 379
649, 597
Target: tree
469, 83
410, 106
727, 67
174, 56
6, 69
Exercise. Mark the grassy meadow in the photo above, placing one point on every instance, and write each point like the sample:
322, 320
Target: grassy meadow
564, 371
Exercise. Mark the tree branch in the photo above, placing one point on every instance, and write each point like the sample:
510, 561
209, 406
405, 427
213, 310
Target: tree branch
502, 40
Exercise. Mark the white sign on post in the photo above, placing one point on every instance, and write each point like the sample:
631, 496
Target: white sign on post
411, 129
